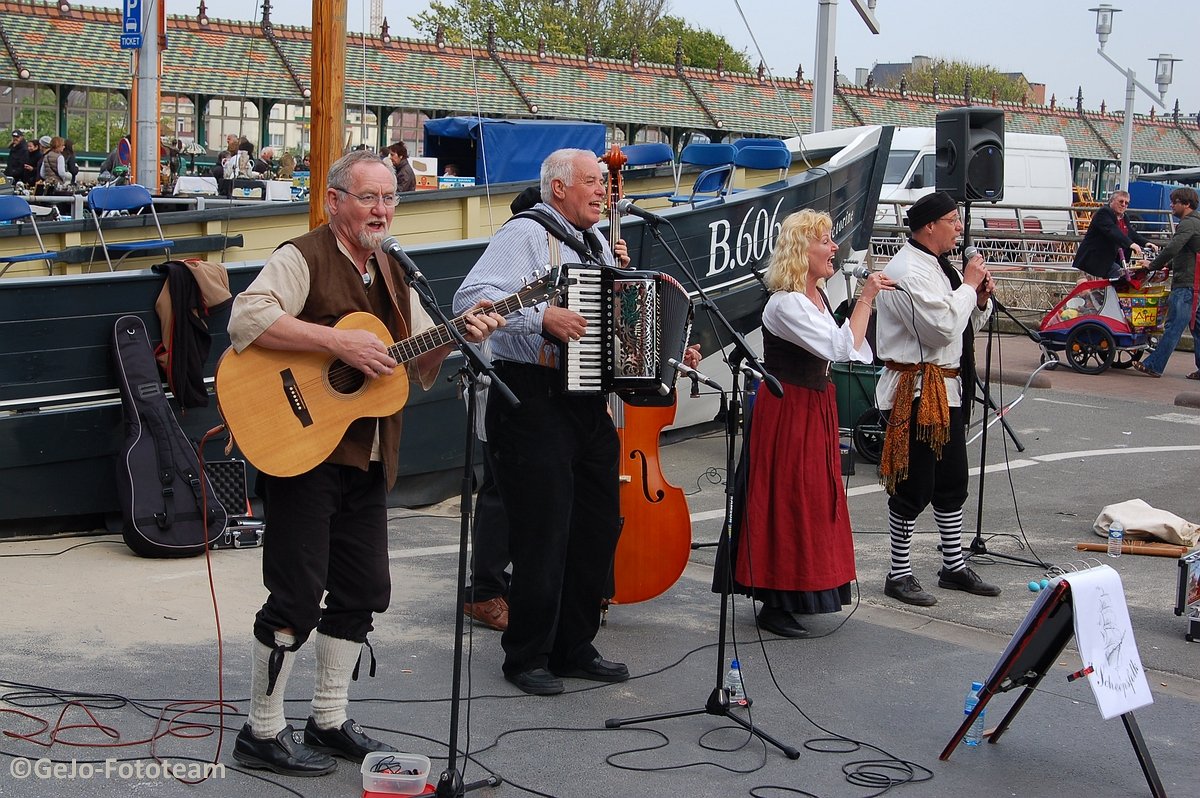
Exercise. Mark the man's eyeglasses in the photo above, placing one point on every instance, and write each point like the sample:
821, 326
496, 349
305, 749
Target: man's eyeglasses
952, 220
371, 200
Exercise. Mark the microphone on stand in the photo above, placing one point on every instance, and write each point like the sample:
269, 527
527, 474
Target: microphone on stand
695, 376
627, 206
392, 247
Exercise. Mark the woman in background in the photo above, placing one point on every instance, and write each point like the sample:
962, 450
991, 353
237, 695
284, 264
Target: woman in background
794, 551
406, 180
54, 172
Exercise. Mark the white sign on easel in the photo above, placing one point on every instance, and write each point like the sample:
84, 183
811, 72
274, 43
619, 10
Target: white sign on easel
1106, 644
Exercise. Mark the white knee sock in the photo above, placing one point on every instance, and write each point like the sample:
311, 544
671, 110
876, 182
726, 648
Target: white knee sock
336, 659
266, 716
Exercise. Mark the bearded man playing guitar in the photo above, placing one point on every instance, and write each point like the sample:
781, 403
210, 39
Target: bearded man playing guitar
328, 524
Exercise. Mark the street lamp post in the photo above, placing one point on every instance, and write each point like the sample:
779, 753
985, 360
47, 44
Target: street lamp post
1163, 73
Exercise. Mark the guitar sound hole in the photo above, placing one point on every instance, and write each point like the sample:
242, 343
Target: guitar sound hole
345, 379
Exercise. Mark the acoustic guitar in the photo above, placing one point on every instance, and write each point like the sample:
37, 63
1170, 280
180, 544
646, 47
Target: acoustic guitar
287, 411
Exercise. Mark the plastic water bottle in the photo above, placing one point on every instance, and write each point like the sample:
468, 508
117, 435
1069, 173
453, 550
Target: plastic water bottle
974, 735
1116, 536
733, 684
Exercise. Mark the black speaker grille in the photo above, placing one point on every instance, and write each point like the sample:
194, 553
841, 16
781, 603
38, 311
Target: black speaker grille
985, 173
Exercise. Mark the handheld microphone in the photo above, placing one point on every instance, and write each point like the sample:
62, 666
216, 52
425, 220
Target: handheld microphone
691, 373
861, 271
969, 252
626, 206
392, 247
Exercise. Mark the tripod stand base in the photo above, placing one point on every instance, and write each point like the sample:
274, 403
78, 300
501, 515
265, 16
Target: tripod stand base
978, 547
718, 704
450, 785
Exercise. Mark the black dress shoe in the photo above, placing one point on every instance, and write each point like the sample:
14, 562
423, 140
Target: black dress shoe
285, 753
347, 741
967, 580
598, 670
536, 681
780, 622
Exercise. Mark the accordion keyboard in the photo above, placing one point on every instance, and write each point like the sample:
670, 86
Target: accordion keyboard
584, 358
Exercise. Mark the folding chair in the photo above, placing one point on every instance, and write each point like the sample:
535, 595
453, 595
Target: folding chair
653, 153
107, 199
714, 181
764, 157
13, 208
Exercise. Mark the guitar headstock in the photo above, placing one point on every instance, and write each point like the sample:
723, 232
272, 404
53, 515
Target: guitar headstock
542, 286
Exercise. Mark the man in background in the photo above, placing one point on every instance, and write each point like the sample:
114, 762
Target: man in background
1181, 252
1110, 241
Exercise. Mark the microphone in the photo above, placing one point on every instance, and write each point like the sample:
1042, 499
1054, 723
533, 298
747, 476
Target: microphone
626, 206
749, 372
860, 271
690, 372
392, 247
970, 252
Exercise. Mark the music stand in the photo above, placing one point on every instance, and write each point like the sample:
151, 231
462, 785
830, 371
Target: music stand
1035, 647
718, 699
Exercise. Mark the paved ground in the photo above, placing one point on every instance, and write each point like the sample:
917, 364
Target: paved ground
125, 637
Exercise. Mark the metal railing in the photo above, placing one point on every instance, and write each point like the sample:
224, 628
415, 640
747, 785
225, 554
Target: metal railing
1029, 248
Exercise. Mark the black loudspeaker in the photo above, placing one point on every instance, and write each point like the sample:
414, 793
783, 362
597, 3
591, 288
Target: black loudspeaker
970, 154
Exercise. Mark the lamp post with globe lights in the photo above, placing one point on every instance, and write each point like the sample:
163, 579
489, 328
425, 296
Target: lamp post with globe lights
1163, 74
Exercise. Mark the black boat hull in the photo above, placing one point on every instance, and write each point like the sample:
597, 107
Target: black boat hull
60, 417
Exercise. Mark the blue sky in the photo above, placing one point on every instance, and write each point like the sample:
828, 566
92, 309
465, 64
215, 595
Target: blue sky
1051, 41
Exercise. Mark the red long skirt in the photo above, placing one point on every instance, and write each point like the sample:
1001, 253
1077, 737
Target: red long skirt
795, 534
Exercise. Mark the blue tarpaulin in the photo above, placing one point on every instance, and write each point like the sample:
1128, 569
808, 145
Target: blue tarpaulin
514, 148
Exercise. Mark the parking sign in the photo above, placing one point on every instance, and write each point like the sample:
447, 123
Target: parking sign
131, 25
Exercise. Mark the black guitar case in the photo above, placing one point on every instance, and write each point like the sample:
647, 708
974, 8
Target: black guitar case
163, 499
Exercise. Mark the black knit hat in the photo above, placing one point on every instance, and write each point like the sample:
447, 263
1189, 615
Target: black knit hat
930, 208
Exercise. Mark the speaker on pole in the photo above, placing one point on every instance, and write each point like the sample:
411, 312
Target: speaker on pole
970, 154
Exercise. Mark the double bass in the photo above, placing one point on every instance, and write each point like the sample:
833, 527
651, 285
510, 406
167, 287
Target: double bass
656, 526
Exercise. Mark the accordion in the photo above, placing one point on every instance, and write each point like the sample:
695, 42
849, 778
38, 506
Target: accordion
636, 322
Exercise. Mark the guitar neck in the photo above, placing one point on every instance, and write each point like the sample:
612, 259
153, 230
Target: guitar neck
417, 345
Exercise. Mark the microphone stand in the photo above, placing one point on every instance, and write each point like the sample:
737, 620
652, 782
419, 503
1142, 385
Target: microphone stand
978, 547
450, 783
718, 699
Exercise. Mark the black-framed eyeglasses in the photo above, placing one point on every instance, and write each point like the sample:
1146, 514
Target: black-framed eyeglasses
371, 200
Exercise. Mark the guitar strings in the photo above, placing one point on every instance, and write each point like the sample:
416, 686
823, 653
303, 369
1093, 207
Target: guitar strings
343, 377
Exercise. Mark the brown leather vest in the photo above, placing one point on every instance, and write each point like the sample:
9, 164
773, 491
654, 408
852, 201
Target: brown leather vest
335, 289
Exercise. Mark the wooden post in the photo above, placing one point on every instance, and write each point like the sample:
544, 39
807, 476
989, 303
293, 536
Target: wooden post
328, 107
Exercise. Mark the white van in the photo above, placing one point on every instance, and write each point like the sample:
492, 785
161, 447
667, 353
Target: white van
1037, 172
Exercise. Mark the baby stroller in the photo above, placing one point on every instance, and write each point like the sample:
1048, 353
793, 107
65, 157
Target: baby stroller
1103, 323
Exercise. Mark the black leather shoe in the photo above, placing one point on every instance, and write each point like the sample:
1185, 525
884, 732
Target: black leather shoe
347, 741
967, 580
285, 753
536, 681
780, 622
598, 670
908, 590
